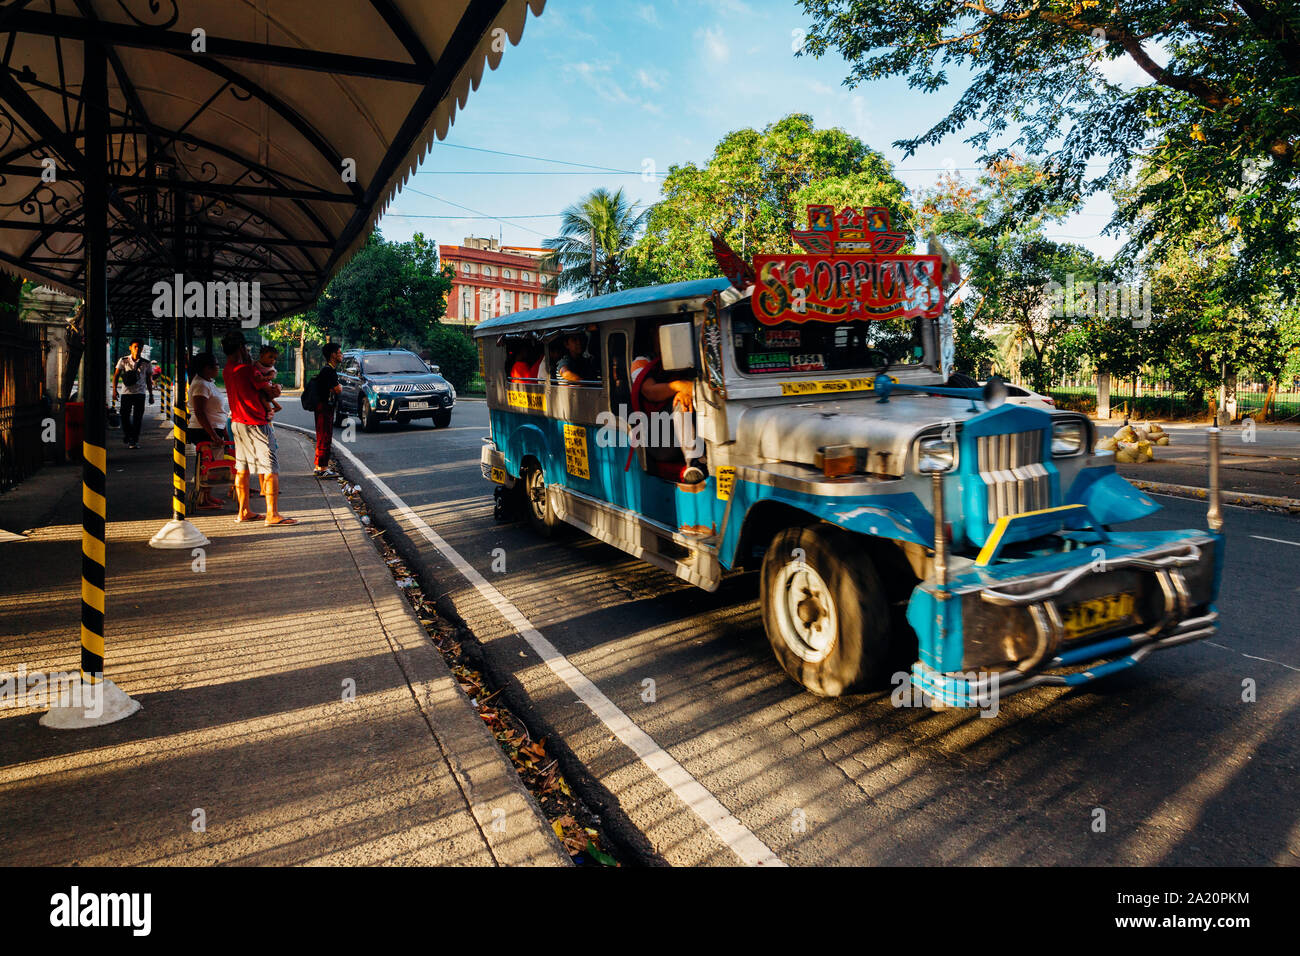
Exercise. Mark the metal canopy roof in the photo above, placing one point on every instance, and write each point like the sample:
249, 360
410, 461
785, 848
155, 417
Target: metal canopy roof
227, 157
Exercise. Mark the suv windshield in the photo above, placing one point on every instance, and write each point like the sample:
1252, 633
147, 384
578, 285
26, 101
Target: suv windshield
822, 346
389, 363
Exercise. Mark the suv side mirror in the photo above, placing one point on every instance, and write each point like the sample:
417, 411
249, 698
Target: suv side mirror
433, 368
677, 345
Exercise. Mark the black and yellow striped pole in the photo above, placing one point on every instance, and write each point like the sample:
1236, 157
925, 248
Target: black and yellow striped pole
98, 700
179, 533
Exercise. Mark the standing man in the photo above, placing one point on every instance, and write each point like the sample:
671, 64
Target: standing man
327, 401
254, 450
136, 375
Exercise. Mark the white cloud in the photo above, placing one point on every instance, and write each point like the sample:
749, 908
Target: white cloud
646, 79
715, 43
647, 13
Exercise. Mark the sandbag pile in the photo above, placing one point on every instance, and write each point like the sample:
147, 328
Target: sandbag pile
1134, 443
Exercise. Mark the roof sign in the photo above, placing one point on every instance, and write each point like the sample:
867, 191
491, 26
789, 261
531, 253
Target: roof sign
849, 270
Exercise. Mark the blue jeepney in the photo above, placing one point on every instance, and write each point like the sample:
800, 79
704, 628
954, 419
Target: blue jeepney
898, 525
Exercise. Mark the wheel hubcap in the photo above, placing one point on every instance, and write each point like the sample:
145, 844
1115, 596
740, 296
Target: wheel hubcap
805, 612
537, 493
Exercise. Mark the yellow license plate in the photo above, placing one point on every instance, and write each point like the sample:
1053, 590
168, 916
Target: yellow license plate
499, 475
1098, 614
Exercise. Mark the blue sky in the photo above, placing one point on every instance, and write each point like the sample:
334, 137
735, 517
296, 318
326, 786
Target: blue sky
640, 86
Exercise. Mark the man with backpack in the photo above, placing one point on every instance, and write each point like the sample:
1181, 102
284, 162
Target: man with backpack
136, 376
322, 397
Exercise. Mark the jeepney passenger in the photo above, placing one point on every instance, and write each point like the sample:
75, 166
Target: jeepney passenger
574, 365
654, 391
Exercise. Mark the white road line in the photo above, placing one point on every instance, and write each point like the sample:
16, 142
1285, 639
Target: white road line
1294, 544
703, 804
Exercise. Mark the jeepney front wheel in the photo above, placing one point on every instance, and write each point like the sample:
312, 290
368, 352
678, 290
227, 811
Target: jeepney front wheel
825, 612
537, 502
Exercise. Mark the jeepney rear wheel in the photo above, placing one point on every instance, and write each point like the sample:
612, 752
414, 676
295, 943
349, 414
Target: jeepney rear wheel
537, 502
825, 611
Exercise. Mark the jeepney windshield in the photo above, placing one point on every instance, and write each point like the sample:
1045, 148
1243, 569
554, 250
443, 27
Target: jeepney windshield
822, 346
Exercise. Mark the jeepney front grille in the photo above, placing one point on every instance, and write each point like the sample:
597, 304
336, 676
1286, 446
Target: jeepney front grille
1015, 479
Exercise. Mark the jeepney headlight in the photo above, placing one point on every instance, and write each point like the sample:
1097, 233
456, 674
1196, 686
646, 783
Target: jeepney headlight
935, 454
1067, 438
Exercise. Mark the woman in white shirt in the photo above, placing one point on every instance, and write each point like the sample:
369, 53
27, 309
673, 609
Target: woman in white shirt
207, 415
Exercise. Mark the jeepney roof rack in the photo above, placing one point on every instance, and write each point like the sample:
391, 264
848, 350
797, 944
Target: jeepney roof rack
548, 317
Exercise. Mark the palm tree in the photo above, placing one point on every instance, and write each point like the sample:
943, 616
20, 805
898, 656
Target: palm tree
600, 227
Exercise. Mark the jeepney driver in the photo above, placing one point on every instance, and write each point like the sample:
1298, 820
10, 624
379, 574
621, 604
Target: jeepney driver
654, 391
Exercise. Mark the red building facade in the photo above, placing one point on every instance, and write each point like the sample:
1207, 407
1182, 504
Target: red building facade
492, 279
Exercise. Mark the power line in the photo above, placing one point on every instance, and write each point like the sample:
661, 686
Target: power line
539, 159
477, 212
532, 172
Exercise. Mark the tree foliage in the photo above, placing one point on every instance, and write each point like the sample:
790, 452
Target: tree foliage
753, 191
1218, 120
390, 294
590, 253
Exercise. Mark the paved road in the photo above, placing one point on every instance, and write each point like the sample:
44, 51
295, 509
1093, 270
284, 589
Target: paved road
1185, 771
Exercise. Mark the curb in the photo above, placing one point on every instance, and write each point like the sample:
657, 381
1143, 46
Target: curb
485, 777
1239, 498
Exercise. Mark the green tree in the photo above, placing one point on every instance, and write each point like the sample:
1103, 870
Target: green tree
1009, 263
452, 351
390, 294
752, 192
1218, 119
590, 253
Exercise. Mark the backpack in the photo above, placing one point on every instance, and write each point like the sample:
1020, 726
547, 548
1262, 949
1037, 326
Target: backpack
130, 377
310, 395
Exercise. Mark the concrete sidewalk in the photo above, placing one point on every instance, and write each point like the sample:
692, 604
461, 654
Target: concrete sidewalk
242, 669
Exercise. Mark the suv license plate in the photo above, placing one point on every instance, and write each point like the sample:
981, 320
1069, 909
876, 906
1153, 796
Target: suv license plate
417, 404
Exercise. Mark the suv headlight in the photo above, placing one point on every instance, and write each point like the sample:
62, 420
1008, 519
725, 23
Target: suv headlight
935, 454
1067, 438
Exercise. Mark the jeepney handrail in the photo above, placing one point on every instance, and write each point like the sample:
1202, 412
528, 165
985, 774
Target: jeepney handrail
1063, 581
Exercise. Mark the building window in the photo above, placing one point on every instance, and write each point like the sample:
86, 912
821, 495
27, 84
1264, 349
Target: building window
467, 303
487, 271
504, 299
525, 301
525, 277
507, 274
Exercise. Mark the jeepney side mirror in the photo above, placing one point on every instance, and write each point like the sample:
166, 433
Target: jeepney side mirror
995, 393
677, 345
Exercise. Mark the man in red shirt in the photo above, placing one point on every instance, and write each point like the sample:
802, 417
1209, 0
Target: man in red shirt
254, 446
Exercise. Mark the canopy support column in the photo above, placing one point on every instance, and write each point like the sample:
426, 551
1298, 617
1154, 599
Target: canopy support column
96, 700
179, 533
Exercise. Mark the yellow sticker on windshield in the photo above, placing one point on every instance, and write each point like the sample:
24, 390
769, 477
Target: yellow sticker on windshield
533, 401
831, 385
575, 451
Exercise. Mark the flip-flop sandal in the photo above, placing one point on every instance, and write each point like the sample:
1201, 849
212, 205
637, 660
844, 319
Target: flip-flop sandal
210, 506
282, 521
250, 518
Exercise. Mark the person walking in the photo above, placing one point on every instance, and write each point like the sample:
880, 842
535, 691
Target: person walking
136, 375
327, 401
254, 446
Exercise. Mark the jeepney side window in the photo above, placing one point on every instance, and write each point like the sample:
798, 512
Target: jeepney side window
523, 359
620, 386
587, 366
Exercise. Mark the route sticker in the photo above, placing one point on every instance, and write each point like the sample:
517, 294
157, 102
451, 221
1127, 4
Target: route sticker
831, 385
532, 401
726, 482
575, 451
